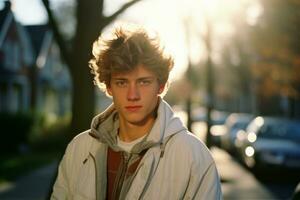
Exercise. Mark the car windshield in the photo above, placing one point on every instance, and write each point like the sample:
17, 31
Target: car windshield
240, 125
285, 131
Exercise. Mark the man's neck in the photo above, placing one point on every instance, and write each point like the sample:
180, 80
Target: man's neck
129, 132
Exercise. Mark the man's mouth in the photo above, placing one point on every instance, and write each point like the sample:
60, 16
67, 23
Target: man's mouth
133, 108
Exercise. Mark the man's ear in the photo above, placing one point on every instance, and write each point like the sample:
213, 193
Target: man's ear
108, 90
161, 88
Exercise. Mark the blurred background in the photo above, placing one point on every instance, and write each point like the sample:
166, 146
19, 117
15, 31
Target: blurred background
235, 83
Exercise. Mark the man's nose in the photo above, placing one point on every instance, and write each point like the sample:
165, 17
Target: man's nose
133, 93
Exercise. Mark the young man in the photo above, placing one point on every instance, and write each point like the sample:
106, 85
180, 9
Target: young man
136, 148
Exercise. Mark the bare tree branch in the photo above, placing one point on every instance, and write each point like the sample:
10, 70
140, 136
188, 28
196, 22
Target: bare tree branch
121, 10
90, 22
57, 35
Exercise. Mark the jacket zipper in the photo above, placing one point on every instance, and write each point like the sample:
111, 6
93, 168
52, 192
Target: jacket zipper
121, 177
96, 184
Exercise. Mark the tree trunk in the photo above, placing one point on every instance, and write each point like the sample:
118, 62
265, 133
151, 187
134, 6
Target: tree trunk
90, 23
88, 15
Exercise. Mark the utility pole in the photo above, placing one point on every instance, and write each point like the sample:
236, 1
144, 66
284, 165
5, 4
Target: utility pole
189, 101
188, 77
209, 84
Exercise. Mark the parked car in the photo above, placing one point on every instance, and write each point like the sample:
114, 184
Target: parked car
270, 141
217, 132
217, 117
234, 123
223, 135
217, 129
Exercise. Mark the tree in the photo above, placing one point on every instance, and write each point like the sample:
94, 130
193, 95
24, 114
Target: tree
275, 40
90, 23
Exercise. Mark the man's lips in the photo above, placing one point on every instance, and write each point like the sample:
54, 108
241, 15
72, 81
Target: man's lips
133, 108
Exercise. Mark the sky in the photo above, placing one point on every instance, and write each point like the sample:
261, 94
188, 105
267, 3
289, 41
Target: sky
168, 17
29, 11
32, 12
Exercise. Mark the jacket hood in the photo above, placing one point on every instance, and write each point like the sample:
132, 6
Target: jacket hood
105, 127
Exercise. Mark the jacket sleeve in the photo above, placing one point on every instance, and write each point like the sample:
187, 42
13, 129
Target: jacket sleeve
60, 187
204, 181
208, 186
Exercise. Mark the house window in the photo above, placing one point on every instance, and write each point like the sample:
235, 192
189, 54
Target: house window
8, 54
11, 97
12, 55
1, 58
16, 56
16, 98
3, 97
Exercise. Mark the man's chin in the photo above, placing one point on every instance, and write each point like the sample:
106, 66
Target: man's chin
138, 121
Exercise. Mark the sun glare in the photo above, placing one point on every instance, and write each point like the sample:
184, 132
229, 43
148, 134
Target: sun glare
168, 18
184, 41
253, 13
210, 7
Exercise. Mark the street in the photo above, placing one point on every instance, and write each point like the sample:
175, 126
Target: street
240, 183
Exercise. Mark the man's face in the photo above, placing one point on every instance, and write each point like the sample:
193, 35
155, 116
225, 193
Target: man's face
135, 95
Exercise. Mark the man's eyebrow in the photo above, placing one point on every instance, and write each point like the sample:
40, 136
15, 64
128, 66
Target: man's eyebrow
139, 78
119, 78
146, 77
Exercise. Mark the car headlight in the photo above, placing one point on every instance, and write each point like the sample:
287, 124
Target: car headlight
251, 137
249, 151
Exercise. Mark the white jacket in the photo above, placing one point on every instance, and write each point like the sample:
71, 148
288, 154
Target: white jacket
177, 165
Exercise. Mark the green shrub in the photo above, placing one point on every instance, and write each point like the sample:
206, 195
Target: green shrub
15, 129
51, 137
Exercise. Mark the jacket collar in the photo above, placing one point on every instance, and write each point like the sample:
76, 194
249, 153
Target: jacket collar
105, 128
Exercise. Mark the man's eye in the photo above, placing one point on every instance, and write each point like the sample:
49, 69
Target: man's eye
121, 83
145, 82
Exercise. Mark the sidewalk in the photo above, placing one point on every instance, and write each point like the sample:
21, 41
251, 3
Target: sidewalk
35, 185
237, 183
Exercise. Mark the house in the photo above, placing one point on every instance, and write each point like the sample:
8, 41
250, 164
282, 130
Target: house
15, 62
51, 91
32, 74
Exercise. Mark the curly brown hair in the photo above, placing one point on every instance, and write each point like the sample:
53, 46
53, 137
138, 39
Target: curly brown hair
124, 52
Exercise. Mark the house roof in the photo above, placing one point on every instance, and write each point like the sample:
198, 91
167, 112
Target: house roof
4, 12
37, 35
6, 18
